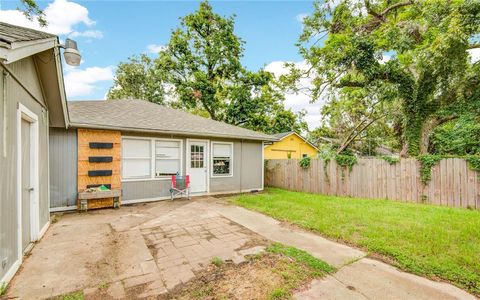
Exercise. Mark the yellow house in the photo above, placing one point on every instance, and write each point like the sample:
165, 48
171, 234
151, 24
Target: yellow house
290, 145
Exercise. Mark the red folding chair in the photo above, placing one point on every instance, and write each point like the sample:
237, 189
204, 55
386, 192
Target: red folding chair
180, 186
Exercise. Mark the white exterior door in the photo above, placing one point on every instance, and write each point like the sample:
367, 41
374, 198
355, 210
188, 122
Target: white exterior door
197, 163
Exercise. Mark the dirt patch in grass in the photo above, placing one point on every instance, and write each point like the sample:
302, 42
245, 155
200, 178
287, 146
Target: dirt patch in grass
274, 274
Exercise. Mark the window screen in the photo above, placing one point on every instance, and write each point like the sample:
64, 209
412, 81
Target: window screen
222, 159
167, 158
136, 154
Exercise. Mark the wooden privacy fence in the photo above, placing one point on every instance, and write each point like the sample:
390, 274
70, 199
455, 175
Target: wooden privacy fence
452, 182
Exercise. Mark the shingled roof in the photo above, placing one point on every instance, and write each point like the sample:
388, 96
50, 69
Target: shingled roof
10, 34
281, 135
144, 116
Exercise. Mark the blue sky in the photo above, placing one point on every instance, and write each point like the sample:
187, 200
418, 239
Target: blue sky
108, 32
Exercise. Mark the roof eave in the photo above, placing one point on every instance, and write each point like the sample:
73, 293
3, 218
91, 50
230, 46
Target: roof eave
197, 134
19, 50
304, 139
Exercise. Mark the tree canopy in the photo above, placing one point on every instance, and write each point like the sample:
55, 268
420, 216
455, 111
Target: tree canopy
200, 71
401, 63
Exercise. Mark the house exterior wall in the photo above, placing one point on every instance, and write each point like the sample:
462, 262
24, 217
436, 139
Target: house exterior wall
292, 145
63, 168
247, 171
11, 94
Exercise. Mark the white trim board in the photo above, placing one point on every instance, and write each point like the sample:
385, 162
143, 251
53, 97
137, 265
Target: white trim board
23, 113
43, 230
62, 208
152, 141
207, 159
11, 272
145, 200
232, 162
263, 165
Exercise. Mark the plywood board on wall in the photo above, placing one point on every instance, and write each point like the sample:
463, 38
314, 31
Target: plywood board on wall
85, 137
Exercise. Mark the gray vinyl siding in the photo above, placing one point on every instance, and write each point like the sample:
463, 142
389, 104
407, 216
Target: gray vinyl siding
26, 71
252, 166
63, 167
247, 171
136, 190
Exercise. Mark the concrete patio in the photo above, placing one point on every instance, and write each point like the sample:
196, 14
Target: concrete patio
144, 250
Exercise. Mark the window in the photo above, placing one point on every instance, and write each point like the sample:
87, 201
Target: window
196, 156
136, 154
149, 158
304, 155
222, 157
167, 158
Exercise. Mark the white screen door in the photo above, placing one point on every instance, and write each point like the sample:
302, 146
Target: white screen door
197, 165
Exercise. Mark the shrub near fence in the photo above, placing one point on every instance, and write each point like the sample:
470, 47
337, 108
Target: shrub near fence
452, 182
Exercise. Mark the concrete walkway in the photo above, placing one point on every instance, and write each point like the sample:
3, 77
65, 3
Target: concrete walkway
357, 277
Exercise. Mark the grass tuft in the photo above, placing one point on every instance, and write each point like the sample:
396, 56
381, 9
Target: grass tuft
279, 293
318, 266
3, 288
72, 296
216, 261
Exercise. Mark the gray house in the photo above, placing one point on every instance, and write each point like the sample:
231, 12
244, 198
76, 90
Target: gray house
32, 99
147, 144
51, 151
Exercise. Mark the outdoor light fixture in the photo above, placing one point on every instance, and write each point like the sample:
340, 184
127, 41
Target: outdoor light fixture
71, 54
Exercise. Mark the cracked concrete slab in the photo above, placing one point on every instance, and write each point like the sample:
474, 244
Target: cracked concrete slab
142, 251
333, 253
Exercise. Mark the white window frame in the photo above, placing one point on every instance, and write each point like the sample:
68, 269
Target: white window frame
153, 158
154, 142
137, 158
231, 144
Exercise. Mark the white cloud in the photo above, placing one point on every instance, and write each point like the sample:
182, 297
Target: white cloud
299, 101
301, 16
82, 82
474, 55
94, 34
385, 58
61, 16
155, 48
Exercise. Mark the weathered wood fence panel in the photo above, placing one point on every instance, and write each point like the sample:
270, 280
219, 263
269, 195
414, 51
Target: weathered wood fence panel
452, 183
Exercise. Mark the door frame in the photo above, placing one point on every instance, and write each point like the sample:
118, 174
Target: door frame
23, 113
207, 159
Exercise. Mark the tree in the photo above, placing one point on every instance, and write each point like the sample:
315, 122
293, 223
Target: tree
427, 44
31, 10
461, 136
201, 64
138, 79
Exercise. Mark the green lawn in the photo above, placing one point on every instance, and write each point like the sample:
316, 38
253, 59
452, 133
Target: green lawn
436, 242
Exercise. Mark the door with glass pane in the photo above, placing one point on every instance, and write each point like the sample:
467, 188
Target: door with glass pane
197, 165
